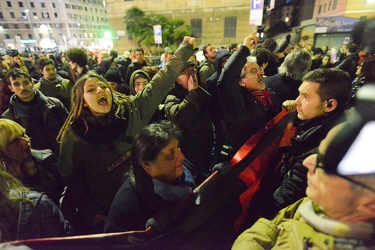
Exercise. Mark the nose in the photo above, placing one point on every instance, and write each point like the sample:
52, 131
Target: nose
24, 140
296, 101
99, 89
142, 86
180, 155
310, 162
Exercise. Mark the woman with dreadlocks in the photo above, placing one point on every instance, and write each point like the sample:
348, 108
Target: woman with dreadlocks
96, 137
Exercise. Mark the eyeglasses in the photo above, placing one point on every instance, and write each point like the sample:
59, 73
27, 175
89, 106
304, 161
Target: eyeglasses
319, 164
189, 72
254, 71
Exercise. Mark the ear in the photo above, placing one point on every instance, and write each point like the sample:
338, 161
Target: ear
147, 168
242, 83
330, 105
11, 88
41, 71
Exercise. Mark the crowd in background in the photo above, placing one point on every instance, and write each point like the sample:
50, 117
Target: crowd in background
106, 140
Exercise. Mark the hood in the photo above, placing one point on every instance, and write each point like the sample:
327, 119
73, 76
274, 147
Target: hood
131, 83
220, 55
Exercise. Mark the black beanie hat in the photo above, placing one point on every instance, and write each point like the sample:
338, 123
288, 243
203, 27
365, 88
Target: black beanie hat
113, 75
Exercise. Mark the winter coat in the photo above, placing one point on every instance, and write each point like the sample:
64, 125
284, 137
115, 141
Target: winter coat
349, 64
92, 164
42, 219
206, 70
305, 143
129, 216
244, 116
286, 88
42, 118
190, 111
294, 227
47, 179
61, 89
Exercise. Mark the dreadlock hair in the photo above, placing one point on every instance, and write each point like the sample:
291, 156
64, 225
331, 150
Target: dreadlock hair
120, 102
10, 202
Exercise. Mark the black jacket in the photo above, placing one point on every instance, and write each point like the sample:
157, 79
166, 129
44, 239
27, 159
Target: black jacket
42, 118
244, 116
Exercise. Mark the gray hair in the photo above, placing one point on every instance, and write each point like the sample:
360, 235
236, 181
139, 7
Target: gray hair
296, 65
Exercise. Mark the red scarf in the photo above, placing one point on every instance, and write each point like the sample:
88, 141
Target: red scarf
263, 97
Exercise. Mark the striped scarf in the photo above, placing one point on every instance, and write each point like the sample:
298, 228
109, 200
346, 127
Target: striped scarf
263, 97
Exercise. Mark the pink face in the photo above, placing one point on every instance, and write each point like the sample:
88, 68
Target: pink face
309, 104
342, 201
18, 152
168, 165
22, 87
252, 77
97, 96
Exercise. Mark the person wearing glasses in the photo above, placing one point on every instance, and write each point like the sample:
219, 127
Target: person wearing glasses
36, 169
339, 210
246, 102
187, 106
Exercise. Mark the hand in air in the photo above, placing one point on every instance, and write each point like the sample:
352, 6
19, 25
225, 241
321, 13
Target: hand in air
191, 40
251, 40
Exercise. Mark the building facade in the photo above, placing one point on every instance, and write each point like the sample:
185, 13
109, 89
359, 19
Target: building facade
46, 24
218, 22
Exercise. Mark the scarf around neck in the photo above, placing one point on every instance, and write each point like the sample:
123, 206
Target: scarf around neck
356, 230
263, 97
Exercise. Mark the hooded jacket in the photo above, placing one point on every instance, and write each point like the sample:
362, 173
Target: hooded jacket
131, 84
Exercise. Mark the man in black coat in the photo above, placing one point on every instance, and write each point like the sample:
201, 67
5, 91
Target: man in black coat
350, 61
323, 98
41, 116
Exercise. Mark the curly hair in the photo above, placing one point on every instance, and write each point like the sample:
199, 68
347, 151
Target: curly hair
296, 64
77, 55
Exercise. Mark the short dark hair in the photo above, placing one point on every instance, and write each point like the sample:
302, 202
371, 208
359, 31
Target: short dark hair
42, 62
352, 47
147, 144
318, 51
262, 55
205, 48
150, 140
16, 72
139, 49
334, 84
270, 44
78, 56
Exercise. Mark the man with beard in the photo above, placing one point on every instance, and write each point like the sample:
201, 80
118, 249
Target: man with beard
41, 116
51, 84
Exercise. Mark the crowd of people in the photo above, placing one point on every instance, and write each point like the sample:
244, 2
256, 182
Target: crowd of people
101, 144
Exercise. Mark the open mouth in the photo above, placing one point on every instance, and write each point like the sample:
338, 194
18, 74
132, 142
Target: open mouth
102, 100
